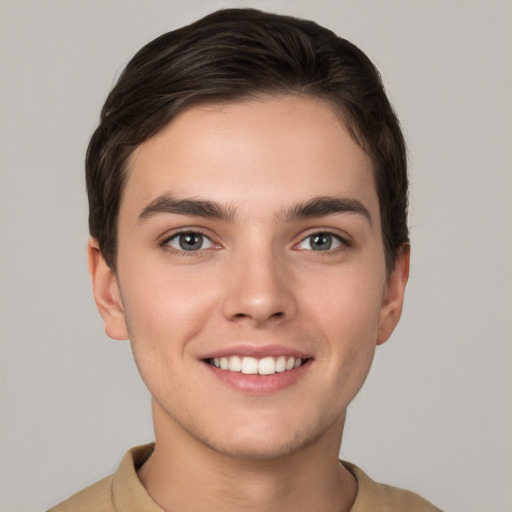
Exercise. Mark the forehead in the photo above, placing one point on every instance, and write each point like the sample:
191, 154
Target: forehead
273, 151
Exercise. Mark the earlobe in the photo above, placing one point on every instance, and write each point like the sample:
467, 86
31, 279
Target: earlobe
106, 293
391, 308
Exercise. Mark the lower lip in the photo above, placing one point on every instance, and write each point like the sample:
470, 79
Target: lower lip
259, 384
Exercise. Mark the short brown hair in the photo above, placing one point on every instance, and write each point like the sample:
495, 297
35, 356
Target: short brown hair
234, 54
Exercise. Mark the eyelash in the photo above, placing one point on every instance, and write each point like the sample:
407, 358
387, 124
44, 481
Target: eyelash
191, 232
342, 241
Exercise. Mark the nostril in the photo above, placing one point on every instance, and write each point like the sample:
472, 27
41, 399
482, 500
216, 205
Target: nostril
276, 315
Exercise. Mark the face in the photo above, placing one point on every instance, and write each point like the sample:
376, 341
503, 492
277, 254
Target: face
251, 275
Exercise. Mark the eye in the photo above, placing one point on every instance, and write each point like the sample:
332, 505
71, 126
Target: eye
189, 241
322, 241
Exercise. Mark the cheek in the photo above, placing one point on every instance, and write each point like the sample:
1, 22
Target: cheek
345, 310
164, 313
165, 310
345, 301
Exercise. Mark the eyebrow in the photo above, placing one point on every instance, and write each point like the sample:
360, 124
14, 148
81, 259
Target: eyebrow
316, 207
323, 206
193, 207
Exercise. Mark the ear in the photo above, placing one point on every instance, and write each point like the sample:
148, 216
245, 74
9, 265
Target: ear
391, 308
106, 293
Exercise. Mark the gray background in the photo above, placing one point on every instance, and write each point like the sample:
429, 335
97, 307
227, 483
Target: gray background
435, 414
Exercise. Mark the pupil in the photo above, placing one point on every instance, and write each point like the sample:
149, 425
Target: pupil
191, 241
321, 242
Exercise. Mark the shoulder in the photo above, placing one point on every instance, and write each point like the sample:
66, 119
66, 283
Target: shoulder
121, 491
379, 497
94, 497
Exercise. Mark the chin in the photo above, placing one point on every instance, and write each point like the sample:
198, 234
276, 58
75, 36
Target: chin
254, 434
259, 447
266, 440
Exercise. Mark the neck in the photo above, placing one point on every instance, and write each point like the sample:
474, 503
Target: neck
187, 475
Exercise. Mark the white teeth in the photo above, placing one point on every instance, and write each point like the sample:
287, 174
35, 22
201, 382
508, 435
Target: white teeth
281, 364
252, 366
249, 365
267, 366
235, 364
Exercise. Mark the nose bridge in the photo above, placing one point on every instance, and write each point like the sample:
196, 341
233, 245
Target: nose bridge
258, 285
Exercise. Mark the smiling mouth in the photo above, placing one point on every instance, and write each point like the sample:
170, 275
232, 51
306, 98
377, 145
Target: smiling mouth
257, 366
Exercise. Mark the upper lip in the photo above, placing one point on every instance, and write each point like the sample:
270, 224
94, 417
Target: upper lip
257, 351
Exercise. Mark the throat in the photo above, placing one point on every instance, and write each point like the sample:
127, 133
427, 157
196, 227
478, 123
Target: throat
255, 486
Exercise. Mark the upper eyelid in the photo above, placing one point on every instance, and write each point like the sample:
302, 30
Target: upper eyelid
180, 231
343, 244
165, 244
337, 233
341, 235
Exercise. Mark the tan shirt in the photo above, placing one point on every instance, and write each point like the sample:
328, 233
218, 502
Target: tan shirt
123, 492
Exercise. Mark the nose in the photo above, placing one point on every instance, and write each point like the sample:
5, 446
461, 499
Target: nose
258, 289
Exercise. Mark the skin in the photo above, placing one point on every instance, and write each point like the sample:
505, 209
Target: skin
256, 281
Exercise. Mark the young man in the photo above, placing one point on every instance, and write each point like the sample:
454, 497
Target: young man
248, 195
